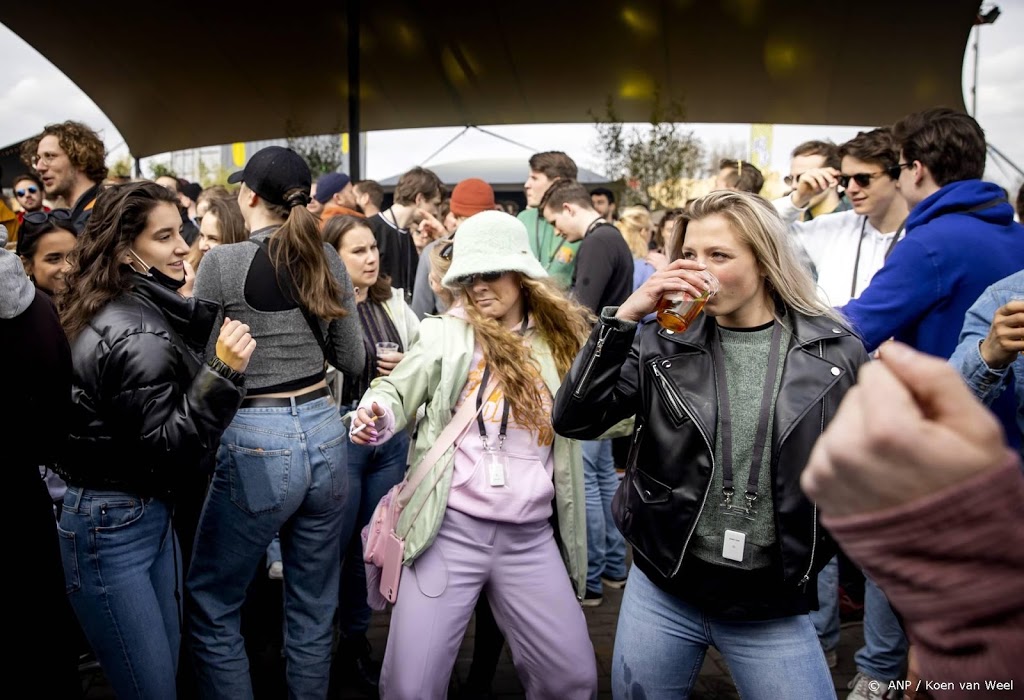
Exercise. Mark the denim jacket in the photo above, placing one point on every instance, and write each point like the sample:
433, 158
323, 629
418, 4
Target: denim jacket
987, 383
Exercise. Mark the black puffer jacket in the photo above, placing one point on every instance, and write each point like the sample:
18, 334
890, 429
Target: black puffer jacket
668, 381
146, 409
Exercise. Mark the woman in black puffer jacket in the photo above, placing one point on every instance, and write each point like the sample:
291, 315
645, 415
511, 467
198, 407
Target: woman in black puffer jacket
146, 410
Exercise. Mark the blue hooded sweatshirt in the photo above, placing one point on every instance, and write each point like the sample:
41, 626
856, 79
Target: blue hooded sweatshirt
946, 261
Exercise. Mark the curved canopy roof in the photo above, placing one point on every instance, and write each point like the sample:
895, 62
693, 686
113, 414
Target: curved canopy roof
194, 76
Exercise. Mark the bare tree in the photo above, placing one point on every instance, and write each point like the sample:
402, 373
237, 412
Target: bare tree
721, 150
321, 153
651, 162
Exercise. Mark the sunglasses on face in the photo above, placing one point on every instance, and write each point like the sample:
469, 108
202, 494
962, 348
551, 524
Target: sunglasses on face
470, 280
864, 179
791, 180
31, 189
57, 216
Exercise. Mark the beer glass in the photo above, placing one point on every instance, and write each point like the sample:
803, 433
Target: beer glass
677, 310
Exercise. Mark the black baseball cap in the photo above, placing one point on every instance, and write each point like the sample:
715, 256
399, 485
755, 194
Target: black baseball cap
274, 171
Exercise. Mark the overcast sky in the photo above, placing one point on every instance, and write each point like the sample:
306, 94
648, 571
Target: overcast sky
33, 92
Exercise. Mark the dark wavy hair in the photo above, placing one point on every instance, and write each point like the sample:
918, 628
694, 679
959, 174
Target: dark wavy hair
950, 143
98, 273
334, 231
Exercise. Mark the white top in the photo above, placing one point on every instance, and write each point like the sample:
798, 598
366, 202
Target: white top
831, 244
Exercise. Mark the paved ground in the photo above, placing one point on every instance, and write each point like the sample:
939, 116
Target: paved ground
714, 682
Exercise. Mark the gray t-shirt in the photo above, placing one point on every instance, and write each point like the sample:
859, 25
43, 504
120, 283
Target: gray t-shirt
286, 349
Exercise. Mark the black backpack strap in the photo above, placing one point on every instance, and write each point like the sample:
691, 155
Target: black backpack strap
984, 205
284, 279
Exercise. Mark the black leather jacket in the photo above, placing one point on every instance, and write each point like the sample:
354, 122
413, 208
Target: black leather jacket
668, 381
146, 409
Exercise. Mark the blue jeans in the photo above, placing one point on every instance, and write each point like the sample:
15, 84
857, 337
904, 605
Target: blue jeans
120, 570
279, 470
661, 641
606, 549
884, 653
372, 471
826, 617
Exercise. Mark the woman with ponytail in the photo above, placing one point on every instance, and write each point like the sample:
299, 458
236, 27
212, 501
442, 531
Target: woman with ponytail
502, 510
281, 467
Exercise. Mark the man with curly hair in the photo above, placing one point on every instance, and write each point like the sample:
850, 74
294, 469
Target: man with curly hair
71, 162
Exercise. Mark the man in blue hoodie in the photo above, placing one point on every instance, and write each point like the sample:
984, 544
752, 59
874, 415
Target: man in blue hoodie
960, 238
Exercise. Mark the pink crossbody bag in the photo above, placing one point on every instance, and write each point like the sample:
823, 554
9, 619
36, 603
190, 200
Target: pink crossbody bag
383, 549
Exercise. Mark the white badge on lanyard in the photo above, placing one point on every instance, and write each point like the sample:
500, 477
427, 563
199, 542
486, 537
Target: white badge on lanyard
732, 545
497, 467
496, 461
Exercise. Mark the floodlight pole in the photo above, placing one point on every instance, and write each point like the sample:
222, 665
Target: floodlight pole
974, 85
354, 145
982, 18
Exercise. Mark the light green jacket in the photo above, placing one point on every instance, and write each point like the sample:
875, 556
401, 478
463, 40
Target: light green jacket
433, 372
556, 254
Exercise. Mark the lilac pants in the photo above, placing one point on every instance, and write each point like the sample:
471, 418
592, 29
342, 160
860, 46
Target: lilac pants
530, 594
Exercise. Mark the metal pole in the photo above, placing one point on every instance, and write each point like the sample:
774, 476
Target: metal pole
354, 144
974, 88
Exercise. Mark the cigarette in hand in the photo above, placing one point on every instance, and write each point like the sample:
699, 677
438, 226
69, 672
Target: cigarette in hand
363, 427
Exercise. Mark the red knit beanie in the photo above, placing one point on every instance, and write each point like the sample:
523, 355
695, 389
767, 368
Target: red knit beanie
472, 196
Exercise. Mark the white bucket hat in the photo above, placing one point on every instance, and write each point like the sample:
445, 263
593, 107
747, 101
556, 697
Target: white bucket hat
491, 241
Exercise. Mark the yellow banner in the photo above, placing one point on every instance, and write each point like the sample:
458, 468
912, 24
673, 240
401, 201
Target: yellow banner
761, 146
238, 154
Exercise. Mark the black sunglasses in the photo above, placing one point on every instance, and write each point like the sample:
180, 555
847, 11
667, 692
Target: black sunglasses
447, 251
31, 189
57, 216
864, 179
470, 280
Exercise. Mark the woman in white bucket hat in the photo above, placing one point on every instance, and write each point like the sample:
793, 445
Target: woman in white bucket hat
481, 520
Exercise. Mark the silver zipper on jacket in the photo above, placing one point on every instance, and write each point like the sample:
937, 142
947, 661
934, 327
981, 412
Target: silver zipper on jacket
670, 390
814, 511
675, 401
634, 450
581, 384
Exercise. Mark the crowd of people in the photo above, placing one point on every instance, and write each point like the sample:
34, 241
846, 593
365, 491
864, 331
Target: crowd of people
216, 386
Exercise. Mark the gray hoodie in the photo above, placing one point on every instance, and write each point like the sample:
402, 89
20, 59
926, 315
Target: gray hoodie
16, 289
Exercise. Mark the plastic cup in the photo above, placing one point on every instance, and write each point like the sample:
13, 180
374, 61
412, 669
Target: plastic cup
676, 311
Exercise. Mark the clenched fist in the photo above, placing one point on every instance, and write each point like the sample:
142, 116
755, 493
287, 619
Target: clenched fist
235, 345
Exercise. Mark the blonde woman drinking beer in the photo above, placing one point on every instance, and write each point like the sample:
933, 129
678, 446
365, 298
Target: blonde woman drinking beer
726, 546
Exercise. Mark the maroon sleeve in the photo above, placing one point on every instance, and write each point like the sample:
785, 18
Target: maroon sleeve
953, 565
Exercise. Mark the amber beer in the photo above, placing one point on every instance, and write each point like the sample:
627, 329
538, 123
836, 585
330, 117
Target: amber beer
677, 310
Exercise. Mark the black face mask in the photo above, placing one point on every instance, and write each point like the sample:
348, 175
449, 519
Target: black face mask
162, 279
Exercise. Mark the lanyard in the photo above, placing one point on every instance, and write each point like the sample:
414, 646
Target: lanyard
503, 430
860, 242
725, 418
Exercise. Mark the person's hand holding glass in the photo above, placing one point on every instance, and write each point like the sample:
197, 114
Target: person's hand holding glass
388, 357
678, 293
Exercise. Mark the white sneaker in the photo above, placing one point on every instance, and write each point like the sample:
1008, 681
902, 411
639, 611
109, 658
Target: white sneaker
275, 570
864, 687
